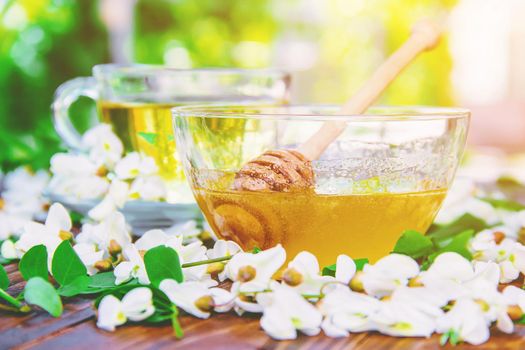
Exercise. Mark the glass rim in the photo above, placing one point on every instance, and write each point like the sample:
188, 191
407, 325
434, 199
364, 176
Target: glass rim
155, 69
393, 113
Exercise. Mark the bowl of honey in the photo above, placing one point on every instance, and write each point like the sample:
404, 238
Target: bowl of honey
388, 172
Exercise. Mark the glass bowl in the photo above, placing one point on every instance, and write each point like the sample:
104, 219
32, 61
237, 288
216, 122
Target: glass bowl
387, 172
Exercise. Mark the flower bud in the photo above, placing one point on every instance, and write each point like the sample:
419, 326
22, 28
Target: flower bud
415, 282
246, 273
102, 171
217, 267
114, 248
204, 303
292, 277
65, 235
356, 284
247, 298
103, 265
25, 308
521, 235
514, 311
498, 237
205, 236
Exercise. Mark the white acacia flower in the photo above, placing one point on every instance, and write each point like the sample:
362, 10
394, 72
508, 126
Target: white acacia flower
102, 145
80, 187
195, 298
514, 222
255, 270
154, 238
473, 206
76, 175
303, 275
21, 199
114, 199
220, 249
422, 299
466, 318
133, 165
409, 312
388, 273
136, 305
133, 267
402, 319
57, 227
345, 269
223, 248
192, 252
148, 188
347, 311
8, 250
89, 254
188, 230
285, 312
22, 182
514, 296
112, 228
11, 225
507, 253
70, 164
446, 275
244, 302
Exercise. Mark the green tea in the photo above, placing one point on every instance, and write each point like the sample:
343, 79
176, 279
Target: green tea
146, 128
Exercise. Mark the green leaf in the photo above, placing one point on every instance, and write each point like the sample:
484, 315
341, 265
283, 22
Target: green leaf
414, 244
40, 292
66, 265
465, 222
521, 320
256, 250
458, 244
330, 269
34, 263
162, 263
76, 217
504, 204
4, 279
102, 280
150, 137
77, 286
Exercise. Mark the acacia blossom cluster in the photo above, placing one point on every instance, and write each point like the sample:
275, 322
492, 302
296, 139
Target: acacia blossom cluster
104, 170
395, 295
20, 200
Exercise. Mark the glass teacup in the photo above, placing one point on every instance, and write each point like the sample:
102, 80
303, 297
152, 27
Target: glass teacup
136, 100
388, 172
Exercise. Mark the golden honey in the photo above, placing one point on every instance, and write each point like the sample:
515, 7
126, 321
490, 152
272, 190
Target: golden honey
363, 225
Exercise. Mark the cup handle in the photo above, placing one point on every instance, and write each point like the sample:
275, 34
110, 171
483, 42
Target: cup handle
65, 95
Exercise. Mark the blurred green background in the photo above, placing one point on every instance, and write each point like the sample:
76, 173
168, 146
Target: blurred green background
332, 46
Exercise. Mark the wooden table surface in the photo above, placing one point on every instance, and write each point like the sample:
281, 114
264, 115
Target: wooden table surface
76, 329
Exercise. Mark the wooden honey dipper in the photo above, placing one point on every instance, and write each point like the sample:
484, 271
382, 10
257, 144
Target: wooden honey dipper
291, 170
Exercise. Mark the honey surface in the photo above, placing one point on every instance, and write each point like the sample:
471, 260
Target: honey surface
360, 225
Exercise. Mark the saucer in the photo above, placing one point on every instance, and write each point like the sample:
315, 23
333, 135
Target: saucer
141, 215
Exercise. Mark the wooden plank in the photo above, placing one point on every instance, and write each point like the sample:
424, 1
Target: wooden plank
76, 329
222, 331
